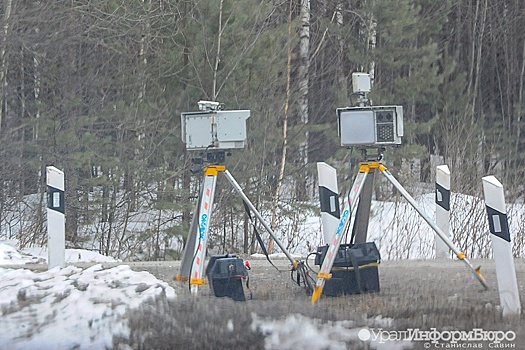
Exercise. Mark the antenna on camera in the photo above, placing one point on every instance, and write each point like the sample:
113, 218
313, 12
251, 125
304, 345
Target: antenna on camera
361, 86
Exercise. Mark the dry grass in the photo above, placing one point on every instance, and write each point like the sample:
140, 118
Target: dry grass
413, 294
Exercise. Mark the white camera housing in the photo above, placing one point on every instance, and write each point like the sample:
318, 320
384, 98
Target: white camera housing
214, 129
361, 82
370, 125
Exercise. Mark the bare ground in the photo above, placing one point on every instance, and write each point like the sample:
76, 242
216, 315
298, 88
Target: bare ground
421, 294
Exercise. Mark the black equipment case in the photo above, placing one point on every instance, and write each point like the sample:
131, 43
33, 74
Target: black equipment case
355, 269
225, 274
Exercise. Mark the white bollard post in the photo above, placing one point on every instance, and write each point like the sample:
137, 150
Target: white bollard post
329, 198
442, 210
56, 228
500, 236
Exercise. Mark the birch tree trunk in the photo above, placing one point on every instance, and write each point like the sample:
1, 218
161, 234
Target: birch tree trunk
520, 99
277, 193
341, 76
304, 80
478, 32
218, 53
143, 60
480, 157
36, 95
186, 180
371, 40
3, 68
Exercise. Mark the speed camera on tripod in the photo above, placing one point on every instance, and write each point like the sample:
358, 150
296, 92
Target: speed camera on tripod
370, 125
212, 128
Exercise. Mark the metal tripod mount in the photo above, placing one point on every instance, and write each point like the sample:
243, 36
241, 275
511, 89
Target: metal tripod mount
192, 265
361, 192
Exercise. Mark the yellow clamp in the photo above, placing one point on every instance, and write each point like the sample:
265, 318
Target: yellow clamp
181, 278
213, 170
366, 167
198, 281
324, 275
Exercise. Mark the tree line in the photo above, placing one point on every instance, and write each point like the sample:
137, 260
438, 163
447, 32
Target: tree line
96, 88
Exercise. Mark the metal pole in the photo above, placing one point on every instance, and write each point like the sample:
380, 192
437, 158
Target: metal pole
362, 214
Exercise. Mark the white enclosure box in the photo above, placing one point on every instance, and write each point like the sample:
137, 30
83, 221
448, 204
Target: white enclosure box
192, 123
361, 82
208, 130
370, 125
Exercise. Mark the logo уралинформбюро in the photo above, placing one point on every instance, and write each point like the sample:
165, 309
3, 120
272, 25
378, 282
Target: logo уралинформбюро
438, 339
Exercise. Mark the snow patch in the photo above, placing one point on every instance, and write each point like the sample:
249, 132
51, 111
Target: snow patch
71, 307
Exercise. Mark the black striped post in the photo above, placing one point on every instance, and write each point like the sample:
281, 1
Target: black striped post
442, 210
56, 228
329, 198
501, 245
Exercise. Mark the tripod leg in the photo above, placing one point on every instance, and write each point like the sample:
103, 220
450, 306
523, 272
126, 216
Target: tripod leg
197, 277
239, 191
362, 215
189, 248
439, 232
344, 225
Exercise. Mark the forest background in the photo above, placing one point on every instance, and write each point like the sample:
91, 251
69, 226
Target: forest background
96, 88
